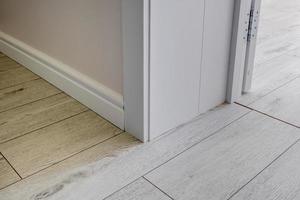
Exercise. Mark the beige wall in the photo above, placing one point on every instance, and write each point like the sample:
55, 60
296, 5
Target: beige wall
84, 34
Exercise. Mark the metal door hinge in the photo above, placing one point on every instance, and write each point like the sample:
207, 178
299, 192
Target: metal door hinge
252, 25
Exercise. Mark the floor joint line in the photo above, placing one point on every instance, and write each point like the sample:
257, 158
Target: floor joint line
270, 116
157, 187
279, 156
66, 158
11, 166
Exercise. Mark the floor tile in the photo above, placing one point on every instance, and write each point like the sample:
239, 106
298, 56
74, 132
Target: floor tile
14, 77
217, 167
270, 76
8, 65
279, 181
33, 116
110, 174
42, 148
7, 174
139, 190
58, 180
25, 93
283, 103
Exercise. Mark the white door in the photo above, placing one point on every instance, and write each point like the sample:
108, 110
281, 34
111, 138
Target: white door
176, 30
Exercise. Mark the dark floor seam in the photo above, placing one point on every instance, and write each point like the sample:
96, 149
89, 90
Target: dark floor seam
31, 102
44, 126
11, 86
280, 155
66, 158
202, 140
11, 166
275, 118
157, 187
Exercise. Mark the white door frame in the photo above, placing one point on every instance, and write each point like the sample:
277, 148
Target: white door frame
242, 48
135, 32
136, 44
238, 50
251, 47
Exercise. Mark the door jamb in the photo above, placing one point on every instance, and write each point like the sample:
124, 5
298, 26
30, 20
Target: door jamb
238, 50
136, 66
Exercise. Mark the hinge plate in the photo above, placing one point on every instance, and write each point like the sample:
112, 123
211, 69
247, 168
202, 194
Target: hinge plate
252, 26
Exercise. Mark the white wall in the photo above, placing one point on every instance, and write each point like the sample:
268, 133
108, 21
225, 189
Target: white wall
84, 34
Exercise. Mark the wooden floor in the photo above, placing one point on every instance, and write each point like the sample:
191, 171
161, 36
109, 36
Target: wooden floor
40, 126
53, 148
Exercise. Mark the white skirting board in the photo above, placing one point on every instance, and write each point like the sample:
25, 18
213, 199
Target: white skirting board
94, 95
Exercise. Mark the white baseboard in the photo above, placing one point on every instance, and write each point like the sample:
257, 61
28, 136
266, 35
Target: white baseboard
94, 95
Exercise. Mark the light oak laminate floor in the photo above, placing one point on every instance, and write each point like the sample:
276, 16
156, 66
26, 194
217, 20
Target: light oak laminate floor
7, 174
240, 152
40, 126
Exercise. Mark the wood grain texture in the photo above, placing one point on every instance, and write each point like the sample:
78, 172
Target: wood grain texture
5, 59
25, 93
276, 46
277, 41
24, 119
6, 63
220, 165
115, 172
283, 103
7, 174
74, 170
279, 29
8, 66
16, 76
271, 75
44, 147
140, 189
279, 181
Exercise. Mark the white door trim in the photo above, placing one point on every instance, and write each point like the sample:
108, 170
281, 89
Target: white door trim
135, 31
251, 47
238, 50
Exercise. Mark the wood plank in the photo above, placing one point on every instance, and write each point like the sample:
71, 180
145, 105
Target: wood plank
283, 103
25, 93
44, 147
33, 116
279, 181
7, 63
276, 46
6, 59
8, 66
271, 75
7, 174
220, 165
140, 189
118, 170
77, 169
14, 77
289, 6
